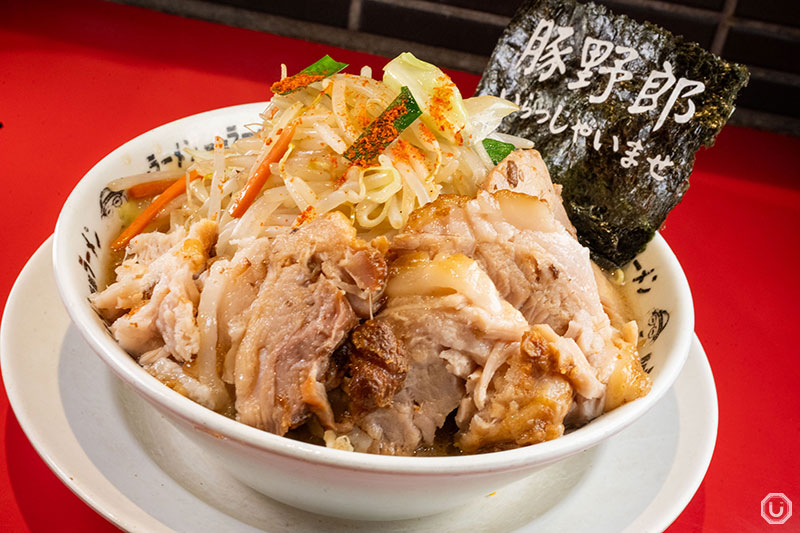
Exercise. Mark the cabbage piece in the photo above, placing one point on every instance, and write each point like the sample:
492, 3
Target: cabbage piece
484, 115
438, 97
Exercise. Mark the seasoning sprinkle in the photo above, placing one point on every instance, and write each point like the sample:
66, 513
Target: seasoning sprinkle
399, 115
318, 70
292, 83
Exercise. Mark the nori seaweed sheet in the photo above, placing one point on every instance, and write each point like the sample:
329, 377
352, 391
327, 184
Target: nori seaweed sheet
616, 210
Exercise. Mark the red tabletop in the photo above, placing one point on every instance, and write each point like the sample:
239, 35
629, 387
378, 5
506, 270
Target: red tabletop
77, 79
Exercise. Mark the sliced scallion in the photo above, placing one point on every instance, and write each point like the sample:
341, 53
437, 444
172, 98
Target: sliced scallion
497, 150
383, 130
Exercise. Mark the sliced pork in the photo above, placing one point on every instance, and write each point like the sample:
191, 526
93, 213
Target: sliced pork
300, 315
536, 265
496, 307
157, 290
524, 171
534, 262
156, 285
522, 243
451, 326
527, 401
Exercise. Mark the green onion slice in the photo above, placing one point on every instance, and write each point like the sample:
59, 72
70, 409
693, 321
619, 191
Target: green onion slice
497, 150
383, 130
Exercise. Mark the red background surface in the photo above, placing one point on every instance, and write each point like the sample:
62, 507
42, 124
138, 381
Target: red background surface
78, 81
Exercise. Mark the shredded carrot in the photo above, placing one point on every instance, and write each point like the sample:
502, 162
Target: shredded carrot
158, 203
259, 177
143, 190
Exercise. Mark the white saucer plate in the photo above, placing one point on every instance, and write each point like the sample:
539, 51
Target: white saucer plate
126, 461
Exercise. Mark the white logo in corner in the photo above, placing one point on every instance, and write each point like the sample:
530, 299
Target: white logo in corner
776, 508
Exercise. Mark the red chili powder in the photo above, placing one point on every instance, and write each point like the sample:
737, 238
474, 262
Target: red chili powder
305, 216
380, 133
440, 103
405, 151
290, 83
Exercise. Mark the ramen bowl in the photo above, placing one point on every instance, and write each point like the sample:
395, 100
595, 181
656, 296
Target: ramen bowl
315, 478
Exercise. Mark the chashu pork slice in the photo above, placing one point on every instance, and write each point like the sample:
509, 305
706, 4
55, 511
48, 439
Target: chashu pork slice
317, 279
525, 171
448, 342
154, 299
153, 304
527, 400
534, 261
536, 265
409, 366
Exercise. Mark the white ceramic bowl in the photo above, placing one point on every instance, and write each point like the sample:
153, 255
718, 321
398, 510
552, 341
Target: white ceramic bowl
328, 481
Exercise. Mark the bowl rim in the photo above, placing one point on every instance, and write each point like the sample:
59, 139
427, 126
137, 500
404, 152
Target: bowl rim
206, 420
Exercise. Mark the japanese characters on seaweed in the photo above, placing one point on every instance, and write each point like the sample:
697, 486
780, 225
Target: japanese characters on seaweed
617, 109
